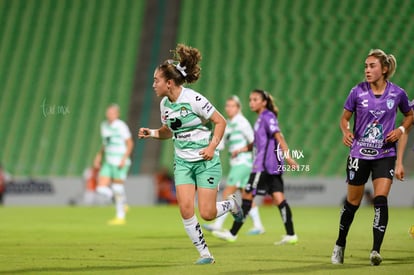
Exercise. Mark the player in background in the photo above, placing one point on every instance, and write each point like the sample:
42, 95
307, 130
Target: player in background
238, 134
270, 153
189, 119
113, 160
372, 143
402, 144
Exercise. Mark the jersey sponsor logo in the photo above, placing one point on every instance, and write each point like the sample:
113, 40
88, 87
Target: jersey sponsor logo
207, 106
362, 94
373, 132
390, 103
369, 152
186, 135
198, 98
377, 113
364, 103
175, 123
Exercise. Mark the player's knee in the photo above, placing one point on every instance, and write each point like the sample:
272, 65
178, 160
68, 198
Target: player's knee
207, 215
186, 211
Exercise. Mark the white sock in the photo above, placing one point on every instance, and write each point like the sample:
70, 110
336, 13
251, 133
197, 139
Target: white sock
254, 214
220, 220
193, 229
224, 207
120, 198
105, 191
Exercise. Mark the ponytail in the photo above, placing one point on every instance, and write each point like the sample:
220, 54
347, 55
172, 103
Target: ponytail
270, 105
386, 60
184, 67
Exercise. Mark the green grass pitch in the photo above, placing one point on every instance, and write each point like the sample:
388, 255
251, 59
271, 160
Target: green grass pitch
76, 240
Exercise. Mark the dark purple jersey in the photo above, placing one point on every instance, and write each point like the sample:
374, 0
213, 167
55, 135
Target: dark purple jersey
267, 154
374, 118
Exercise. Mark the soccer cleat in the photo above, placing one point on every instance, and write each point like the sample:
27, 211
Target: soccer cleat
225, 235
117, 221
288, 239
256, 231
375, 258
338, 255
237, 211
205, 260
211, 227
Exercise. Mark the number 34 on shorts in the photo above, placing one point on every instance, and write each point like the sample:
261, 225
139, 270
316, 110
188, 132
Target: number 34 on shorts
353, 164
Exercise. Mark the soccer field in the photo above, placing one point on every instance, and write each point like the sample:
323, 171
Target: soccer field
76, 240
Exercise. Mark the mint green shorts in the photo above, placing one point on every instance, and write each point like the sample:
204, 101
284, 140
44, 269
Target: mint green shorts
239, 175
113, 171
205, 174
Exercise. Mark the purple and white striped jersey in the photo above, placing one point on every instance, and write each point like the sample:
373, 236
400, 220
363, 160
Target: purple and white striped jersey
374, 118
265, 145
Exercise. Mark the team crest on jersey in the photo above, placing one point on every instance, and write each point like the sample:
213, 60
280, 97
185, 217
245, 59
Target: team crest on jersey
183, 112
390, 103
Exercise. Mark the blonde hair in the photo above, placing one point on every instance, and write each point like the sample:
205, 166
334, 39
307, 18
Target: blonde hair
386, 60
184, 67
236, 99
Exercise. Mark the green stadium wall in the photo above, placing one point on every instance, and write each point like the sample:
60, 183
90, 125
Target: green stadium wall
62, 62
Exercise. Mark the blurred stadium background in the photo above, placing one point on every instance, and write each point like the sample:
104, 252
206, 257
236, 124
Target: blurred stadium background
62, 62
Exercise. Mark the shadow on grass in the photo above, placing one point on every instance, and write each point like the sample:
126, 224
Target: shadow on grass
86, 269
325, 267
311, 266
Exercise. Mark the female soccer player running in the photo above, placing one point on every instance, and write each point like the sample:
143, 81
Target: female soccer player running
114, 162
238, 134
188, 117
372, 145
271, 150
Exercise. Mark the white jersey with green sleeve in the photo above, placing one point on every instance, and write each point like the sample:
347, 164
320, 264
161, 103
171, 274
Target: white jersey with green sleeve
188, 119
114, 136
238, 134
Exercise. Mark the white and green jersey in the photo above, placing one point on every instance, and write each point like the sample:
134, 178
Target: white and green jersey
114, 136
188, 119
238, 134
